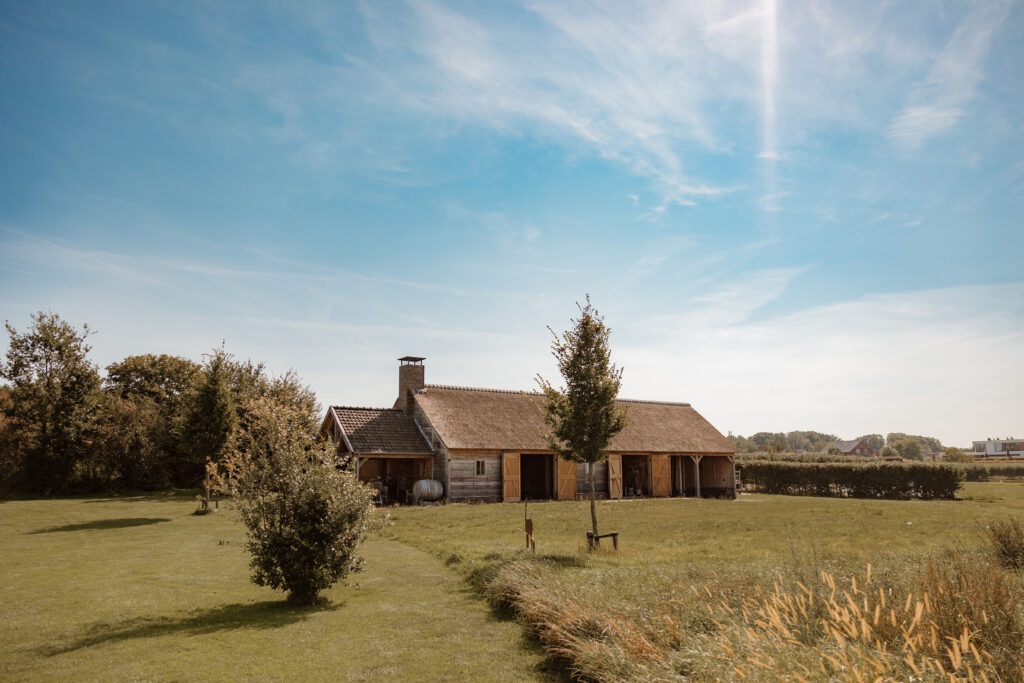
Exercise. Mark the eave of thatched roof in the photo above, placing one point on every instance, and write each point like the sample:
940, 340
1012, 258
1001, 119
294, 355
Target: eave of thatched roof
466, 418
380, 431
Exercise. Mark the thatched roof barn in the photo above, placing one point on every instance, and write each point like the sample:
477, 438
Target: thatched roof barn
487, 444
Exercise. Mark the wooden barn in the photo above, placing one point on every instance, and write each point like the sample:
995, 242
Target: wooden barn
489, 445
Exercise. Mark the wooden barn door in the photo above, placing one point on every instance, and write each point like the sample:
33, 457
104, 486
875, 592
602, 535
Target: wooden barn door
661, 476
510, 477
566, 479
614, 476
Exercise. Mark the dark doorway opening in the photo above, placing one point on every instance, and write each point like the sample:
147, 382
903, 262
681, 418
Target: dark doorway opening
636, 475
536, 476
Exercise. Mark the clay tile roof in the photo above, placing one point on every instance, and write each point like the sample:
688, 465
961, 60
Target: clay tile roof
514, 420
846, 446
381, 431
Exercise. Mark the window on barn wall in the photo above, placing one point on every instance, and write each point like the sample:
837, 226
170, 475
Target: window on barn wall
481, 468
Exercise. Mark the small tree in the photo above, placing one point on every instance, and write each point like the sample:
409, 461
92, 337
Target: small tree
304, 515
954, 454
209, 419
585, 416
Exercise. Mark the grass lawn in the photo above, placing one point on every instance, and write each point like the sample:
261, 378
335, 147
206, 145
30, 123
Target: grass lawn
753, 531
140, 589
669, 601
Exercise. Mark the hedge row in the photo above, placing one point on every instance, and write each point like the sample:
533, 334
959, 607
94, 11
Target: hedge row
891, 480
985, 471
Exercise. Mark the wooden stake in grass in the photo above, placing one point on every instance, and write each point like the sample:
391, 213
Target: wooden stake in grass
530, 543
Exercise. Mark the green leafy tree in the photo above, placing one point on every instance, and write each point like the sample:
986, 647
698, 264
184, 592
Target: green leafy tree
166, 379
145, 401
908, 449
52, 402
770, 442
741, 443
305, 516
209, 421
584, 417
10, 454
876, 441
954, 454
928, 444
132, 439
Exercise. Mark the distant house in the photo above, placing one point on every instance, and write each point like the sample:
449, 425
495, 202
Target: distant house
489, 445
857, 447
997, 448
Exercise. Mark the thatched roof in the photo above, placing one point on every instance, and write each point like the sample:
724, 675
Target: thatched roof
488, 419
380, 431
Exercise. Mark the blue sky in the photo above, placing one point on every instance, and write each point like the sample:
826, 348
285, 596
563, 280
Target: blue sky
794, 215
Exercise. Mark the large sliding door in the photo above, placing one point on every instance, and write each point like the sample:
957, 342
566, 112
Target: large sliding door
566, 479
510, 482
614, 476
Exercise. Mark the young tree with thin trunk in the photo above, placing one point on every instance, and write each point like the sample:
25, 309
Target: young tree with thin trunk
584, 417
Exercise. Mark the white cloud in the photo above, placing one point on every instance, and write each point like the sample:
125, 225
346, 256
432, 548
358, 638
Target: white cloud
937, 104
944, 362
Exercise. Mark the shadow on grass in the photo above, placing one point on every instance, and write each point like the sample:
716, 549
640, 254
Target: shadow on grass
566, 561
259, 615
169, 496
117, 523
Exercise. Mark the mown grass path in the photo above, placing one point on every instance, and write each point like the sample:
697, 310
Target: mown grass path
139, 589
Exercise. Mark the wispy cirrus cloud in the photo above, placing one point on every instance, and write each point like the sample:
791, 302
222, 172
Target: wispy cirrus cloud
939, 102
632, 83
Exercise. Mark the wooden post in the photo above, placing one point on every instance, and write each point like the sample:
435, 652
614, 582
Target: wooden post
696, 467
530, 543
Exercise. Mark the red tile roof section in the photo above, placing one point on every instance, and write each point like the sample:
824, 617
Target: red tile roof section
382, 431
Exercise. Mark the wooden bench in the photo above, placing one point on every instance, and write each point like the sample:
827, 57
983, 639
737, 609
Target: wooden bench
595, 541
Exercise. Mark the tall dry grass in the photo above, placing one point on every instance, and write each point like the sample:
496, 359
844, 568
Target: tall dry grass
958, 617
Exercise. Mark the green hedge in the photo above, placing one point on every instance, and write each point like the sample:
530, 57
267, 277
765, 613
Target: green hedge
985, 471
890, 480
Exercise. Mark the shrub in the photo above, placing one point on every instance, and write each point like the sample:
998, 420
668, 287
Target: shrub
305, 516
1006, 540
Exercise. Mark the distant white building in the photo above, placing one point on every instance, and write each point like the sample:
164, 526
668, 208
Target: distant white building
997, 448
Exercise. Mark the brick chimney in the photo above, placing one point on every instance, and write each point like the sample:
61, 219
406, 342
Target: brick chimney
410, 379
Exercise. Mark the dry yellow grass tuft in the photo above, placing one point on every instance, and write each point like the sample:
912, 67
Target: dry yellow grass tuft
962, 610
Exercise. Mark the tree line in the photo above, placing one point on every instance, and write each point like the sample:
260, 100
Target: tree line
894, 444
151, 422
